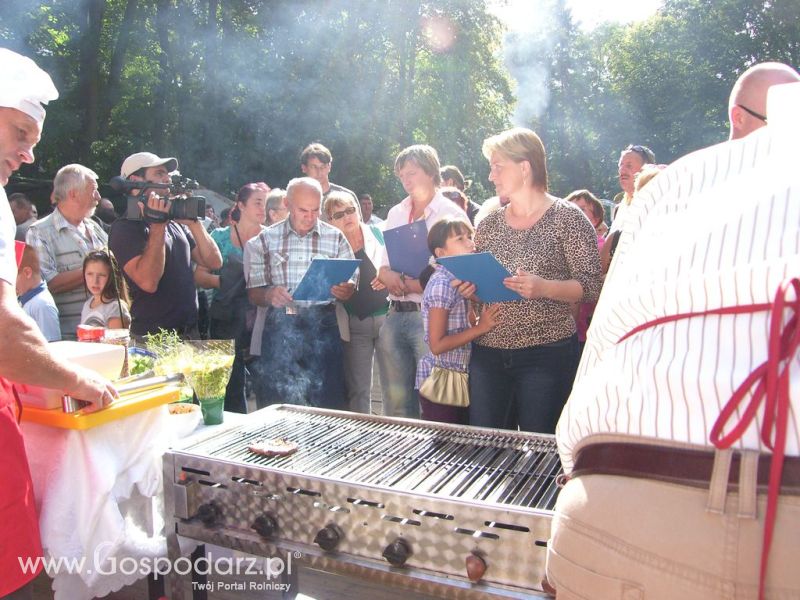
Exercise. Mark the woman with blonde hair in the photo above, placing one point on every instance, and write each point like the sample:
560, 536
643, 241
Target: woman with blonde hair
521, 372
362, 316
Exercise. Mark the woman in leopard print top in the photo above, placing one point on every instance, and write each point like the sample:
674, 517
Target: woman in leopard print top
521, 372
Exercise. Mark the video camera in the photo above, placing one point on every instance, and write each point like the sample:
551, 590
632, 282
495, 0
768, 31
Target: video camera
179, 191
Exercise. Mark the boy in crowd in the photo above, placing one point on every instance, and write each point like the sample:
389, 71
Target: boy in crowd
35, 298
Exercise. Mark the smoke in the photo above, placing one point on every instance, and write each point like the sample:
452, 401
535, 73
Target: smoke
298, 354
527, 49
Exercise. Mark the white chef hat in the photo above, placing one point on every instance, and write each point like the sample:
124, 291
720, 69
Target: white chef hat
23, 85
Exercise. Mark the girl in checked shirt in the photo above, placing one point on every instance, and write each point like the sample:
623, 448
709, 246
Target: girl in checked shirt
449, 324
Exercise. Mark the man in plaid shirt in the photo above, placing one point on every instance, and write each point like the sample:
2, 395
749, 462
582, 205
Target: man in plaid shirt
301, 351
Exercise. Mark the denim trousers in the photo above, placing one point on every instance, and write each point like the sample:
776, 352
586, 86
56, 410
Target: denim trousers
301, 360
235, 399
525, 388
364, 344
403, 338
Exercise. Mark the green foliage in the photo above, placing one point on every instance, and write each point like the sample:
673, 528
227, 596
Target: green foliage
236, 88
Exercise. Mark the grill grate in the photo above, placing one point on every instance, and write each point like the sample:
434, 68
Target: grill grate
470, 464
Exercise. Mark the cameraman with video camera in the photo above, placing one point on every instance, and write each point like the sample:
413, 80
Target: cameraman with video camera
156, 251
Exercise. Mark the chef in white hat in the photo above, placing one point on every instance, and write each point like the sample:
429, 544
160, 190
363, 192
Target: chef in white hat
24, 356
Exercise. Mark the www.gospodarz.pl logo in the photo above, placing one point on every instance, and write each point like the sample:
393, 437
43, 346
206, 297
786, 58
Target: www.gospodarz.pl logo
248, 566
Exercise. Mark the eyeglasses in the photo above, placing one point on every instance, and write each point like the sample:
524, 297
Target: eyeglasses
347, 211
752, 112
642, 151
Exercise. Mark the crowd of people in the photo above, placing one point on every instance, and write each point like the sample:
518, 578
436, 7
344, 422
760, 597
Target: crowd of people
518, 359
442, 353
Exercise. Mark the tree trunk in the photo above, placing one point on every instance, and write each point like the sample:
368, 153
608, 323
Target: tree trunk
113, 90
162, 91
408, 59
89, 75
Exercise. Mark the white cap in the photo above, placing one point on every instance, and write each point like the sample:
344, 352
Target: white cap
23, 85
145, 160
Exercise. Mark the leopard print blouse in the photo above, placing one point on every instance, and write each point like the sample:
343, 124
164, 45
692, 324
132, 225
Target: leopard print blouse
561, 245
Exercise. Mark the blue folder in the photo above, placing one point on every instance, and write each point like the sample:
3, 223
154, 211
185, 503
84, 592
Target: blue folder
321, 275
407, 247
485, 272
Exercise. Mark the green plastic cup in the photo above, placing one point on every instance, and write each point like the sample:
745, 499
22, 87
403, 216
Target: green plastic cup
212, 410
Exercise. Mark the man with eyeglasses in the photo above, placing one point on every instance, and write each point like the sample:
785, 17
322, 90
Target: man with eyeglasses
681, 438
316, 162
747, 106
301, 351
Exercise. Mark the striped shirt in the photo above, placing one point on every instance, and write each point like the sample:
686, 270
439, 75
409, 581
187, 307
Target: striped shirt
440, 294
279, 256
61, 247
718, 228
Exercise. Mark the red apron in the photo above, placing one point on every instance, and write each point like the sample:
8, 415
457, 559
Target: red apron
19, 523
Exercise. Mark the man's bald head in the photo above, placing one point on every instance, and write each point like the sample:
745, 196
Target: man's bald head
747, 106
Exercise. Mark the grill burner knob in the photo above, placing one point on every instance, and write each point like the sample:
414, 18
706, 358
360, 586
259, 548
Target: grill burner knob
266, 525
328, 537
476, 567
210, 514
397, 552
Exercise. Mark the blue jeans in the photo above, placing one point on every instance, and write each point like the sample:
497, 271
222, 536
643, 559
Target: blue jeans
524, 388
402, 338
301, 359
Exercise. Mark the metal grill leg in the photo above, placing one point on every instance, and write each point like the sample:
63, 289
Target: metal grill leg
199, 582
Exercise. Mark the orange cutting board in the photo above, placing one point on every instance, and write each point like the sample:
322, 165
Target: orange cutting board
128, 404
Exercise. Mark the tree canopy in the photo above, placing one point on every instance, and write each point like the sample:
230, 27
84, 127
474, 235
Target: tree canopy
236, 88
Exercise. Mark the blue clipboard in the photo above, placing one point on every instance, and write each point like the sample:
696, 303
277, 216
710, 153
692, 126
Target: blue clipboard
407, 247
485, 272
321, 275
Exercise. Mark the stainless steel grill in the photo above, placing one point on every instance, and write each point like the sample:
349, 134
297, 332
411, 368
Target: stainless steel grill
392, 496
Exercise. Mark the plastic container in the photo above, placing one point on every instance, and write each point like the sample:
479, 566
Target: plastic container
90, 333
119, 337
212, 410
105, 359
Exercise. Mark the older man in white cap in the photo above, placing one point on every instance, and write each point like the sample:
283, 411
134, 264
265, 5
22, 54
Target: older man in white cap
156, 255
24, 356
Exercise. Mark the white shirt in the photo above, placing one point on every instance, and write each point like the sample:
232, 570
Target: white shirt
718, 228
439, 208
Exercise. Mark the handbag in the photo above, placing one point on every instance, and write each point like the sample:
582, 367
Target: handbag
446, 386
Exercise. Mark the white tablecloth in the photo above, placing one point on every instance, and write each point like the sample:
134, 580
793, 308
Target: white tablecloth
98, 493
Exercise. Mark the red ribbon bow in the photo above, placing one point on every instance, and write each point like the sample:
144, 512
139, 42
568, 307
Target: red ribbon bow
771, 381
